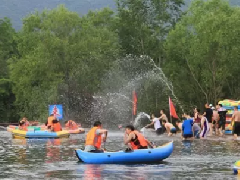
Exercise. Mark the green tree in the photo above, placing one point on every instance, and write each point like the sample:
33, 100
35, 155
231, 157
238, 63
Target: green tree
63, 57
144, 24
7, 50
202, 53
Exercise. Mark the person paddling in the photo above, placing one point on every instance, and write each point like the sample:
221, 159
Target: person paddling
157, 125
94, 138
134, 139
169, 128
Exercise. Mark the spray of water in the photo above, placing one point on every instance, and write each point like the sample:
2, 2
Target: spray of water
113, 105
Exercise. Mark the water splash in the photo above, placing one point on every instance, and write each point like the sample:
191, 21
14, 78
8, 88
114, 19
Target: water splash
114, 104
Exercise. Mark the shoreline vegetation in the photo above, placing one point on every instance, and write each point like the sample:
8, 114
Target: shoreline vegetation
60, 57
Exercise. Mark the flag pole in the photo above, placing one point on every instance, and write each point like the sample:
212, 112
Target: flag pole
169, 109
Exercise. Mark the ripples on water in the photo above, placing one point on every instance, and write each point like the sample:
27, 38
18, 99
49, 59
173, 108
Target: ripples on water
55, 159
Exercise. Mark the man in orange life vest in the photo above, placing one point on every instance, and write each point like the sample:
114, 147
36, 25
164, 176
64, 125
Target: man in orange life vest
135, 140
94, 138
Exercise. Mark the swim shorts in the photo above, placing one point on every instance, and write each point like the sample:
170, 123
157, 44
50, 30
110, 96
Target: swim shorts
221, 124
188, 135
173, 130
236, 128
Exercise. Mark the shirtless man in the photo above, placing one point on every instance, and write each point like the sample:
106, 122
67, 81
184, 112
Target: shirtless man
215, 120
236, 119
179, 125
169, 128
163, 116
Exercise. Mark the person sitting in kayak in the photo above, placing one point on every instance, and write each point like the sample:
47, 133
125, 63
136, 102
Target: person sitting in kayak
56, 126
71, 125
135, 140
94, 138
169, 128
22, 126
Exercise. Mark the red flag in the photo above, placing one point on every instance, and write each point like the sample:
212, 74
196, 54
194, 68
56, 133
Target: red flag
134, 103
172, 109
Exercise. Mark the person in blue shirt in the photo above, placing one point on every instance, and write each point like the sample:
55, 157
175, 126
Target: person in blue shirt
187, 127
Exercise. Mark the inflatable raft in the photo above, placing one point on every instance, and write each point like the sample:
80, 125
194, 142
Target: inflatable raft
76, 131
121, 157
236, 167
30, 128
39, 134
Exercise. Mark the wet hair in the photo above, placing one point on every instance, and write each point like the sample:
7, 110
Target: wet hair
198, 110
66, 122
55, 121
164, 121
97, 123
220, 105
51, 114
200, 113
235, 107
163, 110
131, 127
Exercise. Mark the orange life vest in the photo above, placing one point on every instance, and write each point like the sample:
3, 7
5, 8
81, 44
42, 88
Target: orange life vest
23, 127
57, 127
71, 125
50, 119
93, 139
141, 141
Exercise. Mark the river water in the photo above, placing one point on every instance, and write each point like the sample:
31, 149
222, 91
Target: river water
55, 159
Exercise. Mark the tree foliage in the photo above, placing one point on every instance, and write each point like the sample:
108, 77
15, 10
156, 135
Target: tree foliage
202, 52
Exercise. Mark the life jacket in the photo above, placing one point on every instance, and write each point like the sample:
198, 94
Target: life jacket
93, 139
50, 119
139, 141
57, 127
71, 125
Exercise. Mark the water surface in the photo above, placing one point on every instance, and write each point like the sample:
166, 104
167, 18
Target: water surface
55, 159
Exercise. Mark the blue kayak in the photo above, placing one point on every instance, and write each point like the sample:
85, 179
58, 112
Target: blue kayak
121, 157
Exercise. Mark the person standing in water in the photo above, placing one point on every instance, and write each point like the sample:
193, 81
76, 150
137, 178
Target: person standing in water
204, 127
236, 120
197, 119
187, 127
169, 128
196, 130
94, 138
222, 119
157, 125
209, 115
179, 125
163, 115
215, 120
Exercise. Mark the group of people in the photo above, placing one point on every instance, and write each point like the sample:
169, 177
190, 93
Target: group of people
52, 124
132, 138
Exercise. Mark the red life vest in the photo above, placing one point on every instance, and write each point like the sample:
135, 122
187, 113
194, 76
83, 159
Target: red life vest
57, 127
71, 125
93, 139
139, 141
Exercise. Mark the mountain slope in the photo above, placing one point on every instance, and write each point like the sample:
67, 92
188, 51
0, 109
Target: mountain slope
17, 9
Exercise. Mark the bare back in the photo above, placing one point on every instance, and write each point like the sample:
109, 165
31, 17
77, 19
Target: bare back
236, 116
